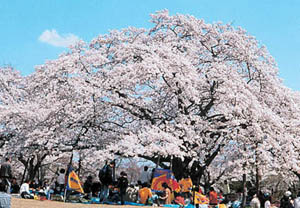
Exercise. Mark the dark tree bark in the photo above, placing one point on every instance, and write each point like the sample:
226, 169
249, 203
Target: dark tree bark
244, 191
30, 165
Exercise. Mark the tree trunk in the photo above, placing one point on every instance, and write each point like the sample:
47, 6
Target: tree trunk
257, 182
179, 168
79, 165
244, 191
30, 167
30, 172
24, 173
256, 169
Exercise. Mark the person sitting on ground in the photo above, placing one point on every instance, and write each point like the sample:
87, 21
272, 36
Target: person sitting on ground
179, 199
131, 193
33, 185
96, 188
220, 197
15, 188
114, 194
213, 197
41, 193
47, 189
167, 194
145, 194
87, 187
24, 190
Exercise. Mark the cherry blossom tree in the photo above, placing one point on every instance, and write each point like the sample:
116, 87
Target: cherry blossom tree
193, 88
183, 94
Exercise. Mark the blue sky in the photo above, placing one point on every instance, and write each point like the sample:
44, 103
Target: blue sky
33, 31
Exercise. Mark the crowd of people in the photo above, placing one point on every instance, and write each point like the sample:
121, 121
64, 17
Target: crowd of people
264, 200
106, 189
109, 190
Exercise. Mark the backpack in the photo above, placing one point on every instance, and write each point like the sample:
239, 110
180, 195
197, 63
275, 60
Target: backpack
103, 173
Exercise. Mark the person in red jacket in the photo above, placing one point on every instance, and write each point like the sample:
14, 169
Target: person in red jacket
213, 197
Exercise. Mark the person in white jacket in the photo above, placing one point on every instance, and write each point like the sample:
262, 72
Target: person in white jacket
268, 201
61, 180
24, 190
255, 203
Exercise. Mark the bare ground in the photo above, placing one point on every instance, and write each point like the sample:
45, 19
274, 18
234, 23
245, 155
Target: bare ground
30, 203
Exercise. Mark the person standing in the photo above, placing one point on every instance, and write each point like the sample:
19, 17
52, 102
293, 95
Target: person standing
106, 178
226, 188
61, 179
122, 185
6, 174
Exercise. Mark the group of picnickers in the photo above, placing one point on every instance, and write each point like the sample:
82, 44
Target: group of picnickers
120, 191
264, 200
108, 190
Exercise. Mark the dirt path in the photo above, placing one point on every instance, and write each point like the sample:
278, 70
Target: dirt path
30, 203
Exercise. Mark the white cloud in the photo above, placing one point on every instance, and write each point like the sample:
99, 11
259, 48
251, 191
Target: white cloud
53, 38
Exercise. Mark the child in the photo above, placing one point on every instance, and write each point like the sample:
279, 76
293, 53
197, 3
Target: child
122, 185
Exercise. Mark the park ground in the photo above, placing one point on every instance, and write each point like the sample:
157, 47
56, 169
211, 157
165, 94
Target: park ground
30, 203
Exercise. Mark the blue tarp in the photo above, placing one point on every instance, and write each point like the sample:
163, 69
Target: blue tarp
5, 200
171, 205
95, 200
236, 204
133, 204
